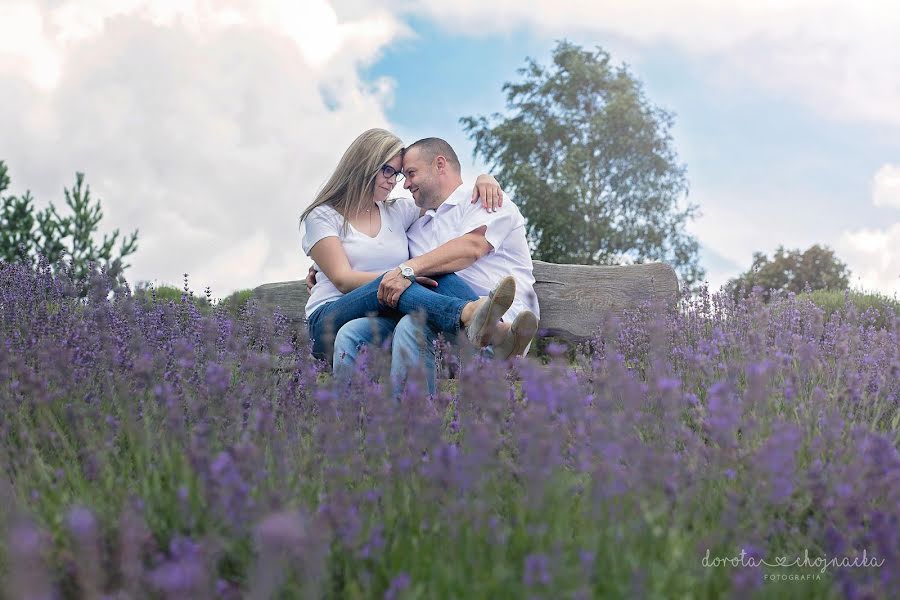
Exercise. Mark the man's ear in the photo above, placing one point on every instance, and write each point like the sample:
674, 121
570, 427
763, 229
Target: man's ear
441, 163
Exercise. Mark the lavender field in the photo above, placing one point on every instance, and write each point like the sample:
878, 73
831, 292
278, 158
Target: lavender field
150, 450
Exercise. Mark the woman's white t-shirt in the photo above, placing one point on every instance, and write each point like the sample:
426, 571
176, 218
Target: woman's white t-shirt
375, 254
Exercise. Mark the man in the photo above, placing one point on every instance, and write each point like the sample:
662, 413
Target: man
453, 235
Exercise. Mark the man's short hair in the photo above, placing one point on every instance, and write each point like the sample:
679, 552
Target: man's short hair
433, 147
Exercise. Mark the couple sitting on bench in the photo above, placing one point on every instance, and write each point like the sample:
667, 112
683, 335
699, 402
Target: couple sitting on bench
465, 263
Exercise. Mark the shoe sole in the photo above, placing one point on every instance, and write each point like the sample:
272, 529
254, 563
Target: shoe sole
497, 305
524, 328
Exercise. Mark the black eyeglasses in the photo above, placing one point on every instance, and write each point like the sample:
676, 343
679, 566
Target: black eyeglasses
388, 171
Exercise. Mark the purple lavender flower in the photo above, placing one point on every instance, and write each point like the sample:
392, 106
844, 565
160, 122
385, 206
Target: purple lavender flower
184, 575
398, 584
716, 421
27, 574
536, 570
85, 534
777, 458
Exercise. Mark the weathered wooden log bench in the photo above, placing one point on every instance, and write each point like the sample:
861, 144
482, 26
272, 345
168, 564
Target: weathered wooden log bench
574, 299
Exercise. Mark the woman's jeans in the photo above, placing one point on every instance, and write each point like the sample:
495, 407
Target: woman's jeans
442, 305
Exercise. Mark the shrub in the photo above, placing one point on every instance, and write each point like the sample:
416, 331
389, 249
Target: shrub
237, 301
233, 304
881, 308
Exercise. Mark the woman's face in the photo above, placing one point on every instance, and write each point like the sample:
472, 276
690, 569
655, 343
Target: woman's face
385, 185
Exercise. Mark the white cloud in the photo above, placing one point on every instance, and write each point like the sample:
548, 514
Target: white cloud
733, 230
839, 58
873, 255
206, 125
24, 48
209, 124
886, 187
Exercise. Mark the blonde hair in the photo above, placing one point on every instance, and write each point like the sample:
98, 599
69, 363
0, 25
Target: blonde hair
353, 180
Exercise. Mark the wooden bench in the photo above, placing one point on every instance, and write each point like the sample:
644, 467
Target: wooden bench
574, 299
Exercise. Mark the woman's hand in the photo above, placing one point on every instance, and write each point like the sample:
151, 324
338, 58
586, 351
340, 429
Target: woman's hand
310, 280
488, 189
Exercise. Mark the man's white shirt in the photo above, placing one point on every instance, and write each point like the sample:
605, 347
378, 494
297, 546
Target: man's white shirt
457, 216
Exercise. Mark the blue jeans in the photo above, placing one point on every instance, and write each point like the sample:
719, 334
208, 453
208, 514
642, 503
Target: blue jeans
355, 334
412, 347
413, 342
442, 305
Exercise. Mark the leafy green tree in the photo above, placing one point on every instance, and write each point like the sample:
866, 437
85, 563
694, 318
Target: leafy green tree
792, 271
591, 164
26, 232
18, 235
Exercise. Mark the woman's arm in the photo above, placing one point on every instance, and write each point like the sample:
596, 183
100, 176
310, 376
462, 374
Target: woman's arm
329, 254
488, 189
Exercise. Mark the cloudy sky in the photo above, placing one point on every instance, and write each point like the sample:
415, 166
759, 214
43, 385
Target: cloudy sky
210, 124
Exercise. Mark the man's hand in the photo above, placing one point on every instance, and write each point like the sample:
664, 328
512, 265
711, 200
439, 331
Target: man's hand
310, 280
392, 285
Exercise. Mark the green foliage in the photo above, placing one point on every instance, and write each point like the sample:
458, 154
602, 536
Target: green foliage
17, 222
792, 271
590, 163
236, 301
232, 304
881, 308
26, 233
170, 293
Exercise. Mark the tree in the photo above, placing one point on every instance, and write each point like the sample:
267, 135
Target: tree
590, 163
792, 271
26, 233
19, 236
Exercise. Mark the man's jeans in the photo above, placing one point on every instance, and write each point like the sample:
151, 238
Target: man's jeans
412, 346
443, 306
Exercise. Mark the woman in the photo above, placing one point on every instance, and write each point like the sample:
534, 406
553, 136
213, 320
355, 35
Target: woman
354, 235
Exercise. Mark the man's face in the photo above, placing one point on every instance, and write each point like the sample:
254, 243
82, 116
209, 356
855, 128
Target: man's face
421, 180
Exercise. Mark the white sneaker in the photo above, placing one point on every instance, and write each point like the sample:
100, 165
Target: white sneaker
481, 328
520, 333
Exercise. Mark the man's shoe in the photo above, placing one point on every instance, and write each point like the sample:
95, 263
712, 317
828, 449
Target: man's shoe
521, 332
483, 325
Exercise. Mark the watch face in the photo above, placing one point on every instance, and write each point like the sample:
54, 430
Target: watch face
406, 271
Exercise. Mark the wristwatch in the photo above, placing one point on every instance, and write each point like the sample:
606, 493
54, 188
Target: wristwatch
407, 272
